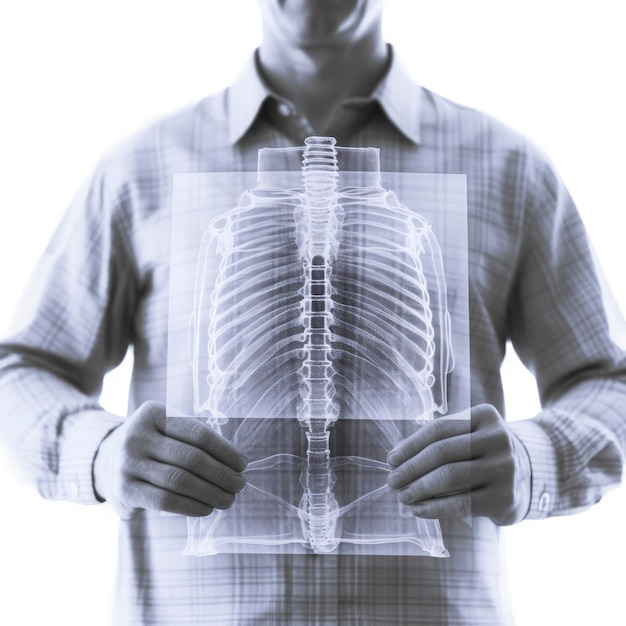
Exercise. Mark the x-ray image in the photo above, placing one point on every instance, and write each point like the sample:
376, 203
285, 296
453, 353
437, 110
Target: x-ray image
318, 315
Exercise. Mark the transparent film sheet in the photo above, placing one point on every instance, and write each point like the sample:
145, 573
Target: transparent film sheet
318, 315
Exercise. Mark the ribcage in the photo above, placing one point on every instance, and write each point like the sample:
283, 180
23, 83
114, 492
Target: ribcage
254, 331
380, 327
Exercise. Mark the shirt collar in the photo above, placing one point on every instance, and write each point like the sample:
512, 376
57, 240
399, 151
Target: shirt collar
397, 94
245, 99
400, 97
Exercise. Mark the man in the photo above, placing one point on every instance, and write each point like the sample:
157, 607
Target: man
530, 280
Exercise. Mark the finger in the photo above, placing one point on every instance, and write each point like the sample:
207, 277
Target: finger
474, 503
457, 505
443, 481
491, 436
174, 453
439, 453
432, 431
147, 496
485, 414
181, 482
199, 434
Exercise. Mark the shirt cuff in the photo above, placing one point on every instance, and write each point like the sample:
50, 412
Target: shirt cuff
543, 464
82, 434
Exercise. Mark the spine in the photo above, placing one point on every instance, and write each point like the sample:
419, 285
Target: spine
318, 409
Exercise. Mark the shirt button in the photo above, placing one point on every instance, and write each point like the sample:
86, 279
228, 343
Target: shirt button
284, 110
73, 490
544, 502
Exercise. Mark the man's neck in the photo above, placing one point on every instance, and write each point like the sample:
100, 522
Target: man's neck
317, 80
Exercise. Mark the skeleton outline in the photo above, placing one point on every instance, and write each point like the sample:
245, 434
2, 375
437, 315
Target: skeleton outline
317, 244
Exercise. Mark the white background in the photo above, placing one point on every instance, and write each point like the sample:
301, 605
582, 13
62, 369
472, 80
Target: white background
79, 76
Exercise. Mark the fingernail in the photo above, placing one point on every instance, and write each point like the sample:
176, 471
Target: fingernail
419, 510
393, 480
405, 496
226, 500
207, 510
239, 483
394, 458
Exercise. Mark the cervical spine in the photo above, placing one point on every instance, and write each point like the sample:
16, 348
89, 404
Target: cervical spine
319, 224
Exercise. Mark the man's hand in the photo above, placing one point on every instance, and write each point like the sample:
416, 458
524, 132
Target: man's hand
449, 468
178, 464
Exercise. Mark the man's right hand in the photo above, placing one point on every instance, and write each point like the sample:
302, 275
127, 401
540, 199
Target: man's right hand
175, 464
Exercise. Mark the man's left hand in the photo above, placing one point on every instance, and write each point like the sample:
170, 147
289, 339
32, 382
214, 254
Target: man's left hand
450, 468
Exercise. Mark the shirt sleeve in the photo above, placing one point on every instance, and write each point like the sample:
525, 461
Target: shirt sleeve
559, 328
74, 324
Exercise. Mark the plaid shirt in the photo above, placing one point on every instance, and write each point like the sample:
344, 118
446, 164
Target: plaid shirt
103, 285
